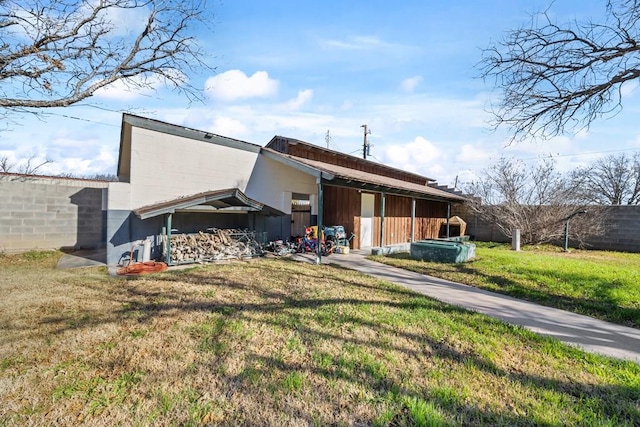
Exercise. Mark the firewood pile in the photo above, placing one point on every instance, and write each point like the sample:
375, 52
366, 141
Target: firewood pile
213, 245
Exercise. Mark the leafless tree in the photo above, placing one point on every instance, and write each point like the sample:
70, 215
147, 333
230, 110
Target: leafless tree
611, 180
536, 200
555, 77
6, 165
29, 166
58, 53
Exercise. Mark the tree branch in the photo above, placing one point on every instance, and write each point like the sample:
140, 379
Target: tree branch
54, 54
556, 78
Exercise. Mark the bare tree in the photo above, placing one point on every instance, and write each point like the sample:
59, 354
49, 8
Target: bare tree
6, 165
560, 77
536, 200
611, 180
28, 166
58, 53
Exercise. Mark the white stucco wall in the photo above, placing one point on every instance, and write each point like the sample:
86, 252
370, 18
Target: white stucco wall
165, 166
273, 182
119, 196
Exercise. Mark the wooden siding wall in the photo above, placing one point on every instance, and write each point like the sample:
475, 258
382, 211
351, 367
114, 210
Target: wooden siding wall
342, 207
429, 218
334, 158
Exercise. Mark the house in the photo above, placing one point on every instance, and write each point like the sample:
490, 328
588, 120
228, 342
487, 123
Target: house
172, 177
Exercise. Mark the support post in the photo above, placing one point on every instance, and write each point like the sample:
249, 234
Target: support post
382, 200
448, 219
168, 254
320, 206
413, 219
515, 240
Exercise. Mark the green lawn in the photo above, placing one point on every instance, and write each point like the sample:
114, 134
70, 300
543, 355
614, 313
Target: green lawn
605, 285
276, 342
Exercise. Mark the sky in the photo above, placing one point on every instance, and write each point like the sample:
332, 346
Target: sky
406, 69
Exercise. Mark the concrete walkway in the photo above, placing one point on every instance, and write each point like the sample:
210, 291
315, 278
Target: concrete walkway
585, 332
83, 258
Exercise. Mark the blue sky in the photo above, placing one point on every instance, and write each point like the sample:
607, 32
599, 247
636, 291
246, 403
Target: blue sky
298, 69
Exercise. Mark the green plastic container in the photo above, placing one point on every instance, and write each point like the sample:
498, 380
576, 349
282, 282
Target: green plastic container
446, 251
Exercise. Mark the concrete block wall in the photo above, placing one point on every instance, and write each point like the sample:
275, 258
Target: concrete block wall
51, 213
622, 229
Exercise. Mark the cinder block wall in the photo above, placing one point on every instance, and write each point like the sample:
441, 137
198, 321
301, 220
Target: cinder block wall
51, 213
622, 230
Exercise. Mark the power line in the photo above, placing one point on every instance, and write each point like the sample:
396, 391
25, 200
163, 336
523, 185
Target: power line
81, 119
583, 153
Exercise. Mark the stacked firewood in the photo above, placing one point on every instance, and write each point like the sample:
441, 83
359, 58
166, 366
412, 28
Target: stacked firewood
213, 245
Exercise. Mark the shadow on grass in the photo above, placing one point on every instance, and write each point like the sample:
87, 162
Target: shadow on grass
604, 304
285, 306
291, 312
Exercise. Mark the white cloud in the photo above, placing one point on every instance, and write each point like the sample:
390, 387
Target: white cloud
124, 21
409, 85
227, 126
121, 91
413, 155
104, 161
466, 177
628, 88
361, 43
304, 96
472, 154
235, 84
136, 87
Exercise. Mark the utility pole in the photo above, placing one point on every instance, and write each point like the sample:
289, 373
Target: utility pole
327, 138
365, 145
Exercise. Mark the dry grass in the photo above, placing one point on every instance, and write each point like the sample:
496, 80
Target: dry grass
275, 342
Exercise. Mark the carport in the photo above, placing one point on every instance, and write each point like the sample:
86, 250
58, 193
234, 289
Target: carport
230, 201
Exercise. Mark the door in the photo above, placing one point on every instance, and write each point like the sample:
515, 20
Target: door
366, 220
300, 220
300, 213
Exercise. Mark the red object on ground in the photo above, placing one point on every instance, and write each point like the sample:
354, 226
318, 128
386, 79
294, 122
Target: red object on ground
142, 268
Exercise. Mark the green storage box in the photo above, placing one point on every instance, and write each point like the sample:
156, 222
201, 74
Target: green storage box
442, 251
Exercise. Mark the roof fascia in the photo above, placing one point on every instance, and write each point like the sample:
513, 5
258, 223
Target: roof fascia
185, 132
203, 200
379, 188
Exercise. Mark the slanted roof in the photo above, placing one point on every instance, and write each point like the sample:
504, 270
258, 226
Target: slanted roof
220, 201
302, 149
341, 175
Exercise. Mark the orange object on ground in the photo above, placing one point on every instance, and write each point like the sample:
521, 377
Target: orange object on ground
142, 268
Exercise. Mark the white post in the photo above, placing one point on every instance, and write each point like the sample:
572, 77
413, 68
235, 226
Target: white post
515, 240
146, 250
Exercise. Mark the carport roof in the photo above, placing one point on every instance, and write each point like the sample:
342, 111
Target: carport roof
228, 200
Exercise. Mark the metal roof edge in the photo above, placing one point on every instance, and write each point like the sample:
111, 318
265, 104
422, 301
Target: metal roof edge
186, 132
170, 206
